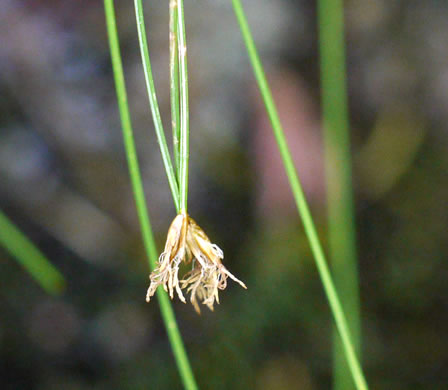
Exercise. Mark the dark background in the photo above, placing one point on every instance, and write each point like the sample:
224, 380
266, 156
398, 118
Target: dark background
64, 182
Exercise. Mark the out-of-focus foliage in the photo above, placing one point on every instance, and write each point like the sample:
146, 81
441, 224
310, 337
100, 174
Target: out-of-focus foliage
64, 182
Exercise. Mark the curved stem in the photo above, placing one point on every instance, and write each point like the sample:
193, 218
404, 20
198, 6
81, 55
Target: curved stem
302, 206
184, 116
153, 102
172, 329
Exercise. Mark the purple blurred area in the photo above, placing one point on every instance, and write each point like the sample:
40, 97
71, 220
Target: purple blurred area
64, 182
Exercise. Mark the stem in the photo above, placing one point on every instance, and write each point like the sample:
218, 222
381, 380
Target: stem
153, 102
184, 119
341, 220
31, 258
302, 206
172, 329
174, 84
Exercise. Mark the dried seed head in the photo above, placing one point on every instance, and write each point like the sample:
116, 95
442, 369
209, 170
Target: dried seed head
166, 273
208, 274
187, 242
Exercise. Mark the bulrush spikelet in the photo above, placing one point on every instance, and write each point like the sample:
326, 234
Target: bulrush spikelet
166, 273
208, 274
187, 242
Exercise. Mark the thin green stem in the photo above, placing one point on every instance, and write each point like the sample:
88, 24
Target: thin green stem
184, 115
341, 220
174, 85
172, 329
31, 258
153, 102
301, 202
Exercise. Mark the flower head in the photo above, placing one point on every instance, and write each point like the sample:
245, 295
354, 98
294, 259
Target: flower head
166, 273
187, 242
208, 274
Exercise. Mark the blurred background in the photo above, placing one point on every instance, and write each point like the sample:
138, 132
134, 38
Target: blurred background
64, 182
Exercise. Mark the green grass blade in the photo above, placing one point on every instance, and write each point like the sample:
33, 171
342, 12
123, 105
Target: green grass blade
31, 258
184, 115
172, 329
153, 102
174, 85
341, 221
302, 206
